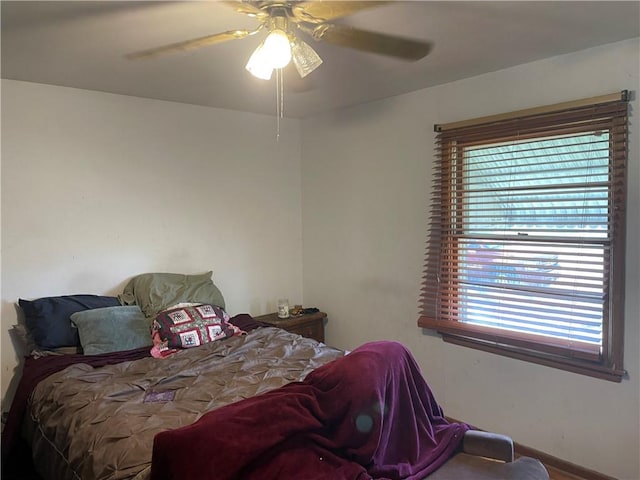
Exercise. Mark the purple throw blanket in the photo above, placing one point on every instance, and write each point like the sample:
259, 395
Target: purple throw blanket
367, 415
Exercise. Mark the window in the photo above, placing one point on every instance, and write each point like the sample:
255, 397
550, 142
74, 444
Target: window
526, 247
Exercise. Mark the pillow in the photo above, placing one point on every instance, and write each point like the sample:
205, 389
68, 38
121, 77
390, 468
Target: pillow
48, 318
26, 345
154, 292
187, 327
112, 329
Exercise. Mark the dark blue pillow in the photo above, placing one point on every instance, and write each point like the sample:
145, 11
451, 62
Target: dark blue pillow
48, 318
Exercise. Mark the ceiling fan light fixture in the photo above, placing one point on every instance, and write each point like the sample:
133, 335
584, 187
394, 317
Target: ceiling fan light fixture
274, 52
305, 58
259, 65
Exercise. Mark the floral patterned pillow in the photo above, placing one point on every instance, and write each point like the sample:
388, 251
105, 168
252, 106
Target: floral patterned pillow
193, 325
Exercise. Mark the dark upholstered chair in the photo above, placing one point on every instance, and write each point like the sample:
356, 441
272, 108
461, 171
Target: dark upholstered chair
489, 456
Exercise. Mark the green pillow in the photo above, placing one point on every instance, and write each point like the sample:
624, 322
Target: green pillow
112, 329
154, 292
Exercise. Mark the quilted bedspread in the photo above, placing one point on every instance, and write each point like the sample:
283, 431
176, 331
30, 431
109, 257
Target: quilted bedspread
99, 423
367, 415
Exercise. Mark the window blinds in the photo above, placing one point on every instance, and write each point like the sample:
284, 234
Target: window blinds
527, 230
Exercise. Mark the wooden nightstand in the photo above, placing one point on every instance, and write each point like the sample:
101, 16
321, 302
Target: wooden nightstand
310, 325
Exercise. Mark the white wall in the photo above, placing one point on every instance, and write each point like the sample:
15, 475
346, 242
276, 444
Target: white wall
97, 188
366, 186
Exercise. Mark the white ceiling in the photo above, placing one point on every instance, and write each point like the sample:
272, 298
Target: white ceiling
82, 44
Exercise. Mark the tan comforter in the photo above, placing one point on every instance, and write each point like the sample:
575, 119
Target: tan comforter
93, 423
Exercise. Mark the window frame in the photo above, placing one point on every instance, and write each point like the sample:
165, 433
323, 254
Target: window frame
610, 110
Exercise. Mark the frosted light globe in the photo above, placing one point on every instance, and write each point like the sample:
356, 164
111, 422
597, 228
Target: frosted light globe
278, 49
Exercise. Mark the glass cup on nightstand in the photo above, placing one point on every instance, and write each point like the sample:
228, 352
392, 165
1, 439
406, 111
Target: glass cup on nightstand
283, 308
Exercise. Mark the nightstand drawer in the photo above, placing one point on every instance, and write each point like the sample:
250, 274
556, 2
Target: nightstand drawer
310, 325
313, 330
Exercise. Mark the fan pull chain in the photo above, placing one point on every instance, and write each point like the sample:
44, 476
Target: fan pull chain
281, 94
279, 101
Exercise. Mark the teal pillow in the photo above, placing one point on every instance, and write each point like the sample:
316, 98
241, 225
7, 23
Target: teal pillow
112, 329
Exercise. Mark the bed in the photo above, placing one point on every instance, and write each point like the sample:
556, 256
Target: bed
99, 422
253, 402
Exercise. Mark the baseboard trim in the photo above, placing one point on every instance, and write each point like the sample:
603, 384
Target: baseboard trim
558, 463
551, 461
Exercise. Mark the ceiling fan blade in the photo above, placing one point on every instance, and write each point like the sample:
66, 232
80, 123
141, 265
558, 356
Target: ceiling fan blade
319, 11
373, 42
247, 8
193, 43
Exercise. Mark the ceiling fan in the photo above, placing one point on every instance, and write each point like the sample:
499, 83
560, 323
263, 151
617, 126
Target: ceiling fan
285, 19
